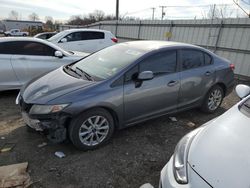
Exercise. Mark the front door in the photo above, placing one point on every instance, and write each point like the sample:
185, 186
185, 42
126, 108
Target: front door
33, 59
152, 97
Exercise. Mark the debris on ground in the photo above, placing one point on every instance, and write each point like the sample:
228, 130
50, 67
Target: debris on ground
173, 119
14, 175
7, 147
146, 185
191, 124
59, 154
2, 138
42, 144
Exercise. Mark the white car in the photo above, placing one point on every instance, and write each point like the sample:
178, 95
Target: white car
215, 155
23, 58
15, 32
84, 40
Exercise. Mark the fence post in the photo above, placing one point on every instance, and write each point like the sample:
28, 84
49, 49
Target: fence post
139, 31
116, 27
218, 36
170, 29
100, 25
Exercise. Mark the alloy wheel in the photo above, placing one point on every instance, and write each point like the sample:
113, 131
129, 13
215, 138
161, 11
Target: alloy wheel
94, 130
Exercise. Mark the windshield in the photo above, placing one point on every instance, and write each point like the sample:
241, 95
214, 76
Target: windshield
57, 36
107, 62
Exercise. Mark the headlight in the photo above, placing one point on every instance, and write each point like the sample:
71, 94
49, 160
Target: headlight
46, 109
180, 157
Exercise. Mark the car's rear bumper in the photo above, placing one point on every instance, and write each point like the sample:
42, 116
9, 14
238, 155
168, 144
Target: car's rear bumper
230, 87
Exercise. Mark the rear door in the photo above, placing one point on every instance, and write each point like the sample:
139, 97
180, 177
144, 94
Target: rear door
153, 97
197, 76
84, 41
33, 59
8, 79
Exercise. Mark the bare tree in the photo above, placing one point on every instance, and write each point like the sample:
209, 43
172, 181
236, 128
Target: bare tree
49, 22
97, 15
219, 11
34, 16
13, 15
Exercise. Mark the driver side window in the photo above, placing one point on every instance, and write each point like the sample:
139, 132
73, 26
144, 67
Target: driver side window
76, 36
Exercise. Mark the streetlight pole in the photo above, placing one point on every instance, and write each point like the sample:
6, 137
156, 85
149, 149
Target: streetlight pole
117, 10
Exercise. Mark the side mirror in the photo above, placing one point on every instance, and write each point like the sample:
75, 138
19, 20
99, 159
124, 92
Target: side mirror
63, 40
58, 54
242, 90
145, 75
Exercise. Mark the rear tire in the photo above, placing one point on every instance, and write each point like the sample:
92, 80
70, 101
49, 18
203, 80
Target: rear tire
91, 129
213, 99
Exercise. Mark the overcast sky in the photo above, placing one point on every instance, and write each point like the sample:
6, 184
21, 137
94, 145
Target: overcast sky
63, 9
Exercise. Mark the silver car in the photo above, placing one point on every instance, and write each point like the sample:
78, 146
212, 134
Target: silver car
23, 58
122, 85
216, 154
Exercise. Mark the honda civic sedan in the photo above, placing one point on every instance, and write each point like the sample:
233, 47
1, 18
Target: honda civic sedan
216, 154
123, 85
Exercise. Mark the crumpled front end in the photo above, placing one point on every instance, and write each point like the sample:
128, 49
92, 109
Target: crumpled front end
53, 125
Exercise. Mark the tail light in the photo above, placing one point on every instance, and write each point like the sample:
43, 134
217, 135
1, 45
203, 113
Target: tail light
115, 40
232, 67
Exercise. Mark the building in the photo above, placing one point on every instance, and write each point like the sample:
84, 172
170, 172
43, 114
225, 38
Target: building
6, 25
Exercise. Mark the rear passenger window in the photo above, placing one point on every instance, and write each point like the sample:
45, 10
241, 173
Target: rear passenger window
26, 48
163, 62
192, 59
85, 35
208, 59
92, 35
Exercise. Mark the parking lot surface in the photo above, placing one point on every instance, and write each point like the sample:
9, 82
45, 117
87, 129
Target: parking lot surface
133, 157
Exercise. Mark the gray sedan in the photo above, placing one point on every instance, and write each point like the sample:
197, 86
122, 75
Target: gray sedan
122, 85
23, 58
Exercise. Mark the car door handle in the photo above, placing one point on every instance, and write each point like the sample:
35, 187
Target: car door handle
208, 73
22, 58
172, 83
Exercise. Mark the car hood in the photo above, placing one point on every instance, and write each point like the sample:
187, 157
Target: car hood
220, 153
80, 54
51, 86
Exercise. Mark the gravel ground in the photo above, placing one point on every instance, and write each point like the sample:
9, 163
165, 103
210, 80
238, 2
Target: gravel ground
134, 156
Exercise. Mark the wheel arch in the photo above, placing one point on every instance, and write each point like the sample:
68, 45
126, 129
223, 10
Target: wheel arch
112, 112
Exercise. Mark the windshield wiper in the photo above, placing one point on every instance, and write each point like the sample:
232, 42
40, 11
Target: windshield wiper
246, 105
88, 76
73, 70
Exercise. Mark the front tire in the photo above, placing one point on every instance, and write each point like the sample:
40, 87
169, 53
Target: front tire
213, 99
91, 129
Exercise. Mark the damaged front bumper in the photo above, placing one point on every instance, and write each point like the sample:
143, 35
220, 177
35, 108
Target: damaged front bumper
53, 125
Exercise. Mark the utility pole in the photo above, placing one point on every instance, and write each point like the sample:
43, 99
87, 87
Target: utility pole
153, 15
117, 10
162, 11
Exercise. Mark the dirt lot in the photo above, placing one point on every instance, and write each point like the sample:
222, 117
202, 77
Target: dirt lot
135, 155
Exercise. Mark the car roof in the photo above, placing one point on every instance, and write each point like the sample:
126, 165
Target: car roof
12, 39
149, 45
85, 29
